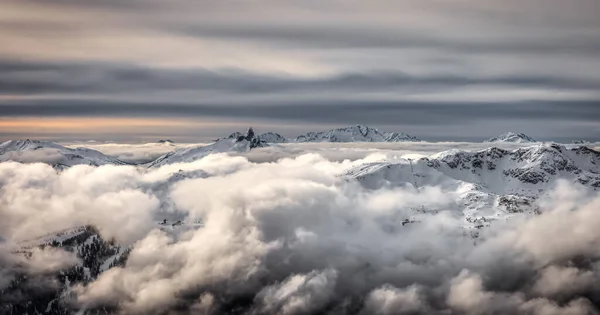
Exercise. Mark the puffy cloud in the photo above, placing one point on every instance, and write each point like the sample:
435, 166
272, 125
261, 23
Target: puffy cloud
298, 294
388, 300
37, 200
468, 296
292, 237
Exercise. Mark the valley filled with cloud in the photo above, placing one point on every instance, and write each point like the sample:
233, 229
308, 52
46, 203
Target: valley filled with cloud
410, 157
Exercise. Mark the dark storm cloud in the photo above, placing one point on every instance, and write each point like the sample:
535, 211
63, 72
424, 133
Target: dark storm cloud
37, 77
348, 37
423, 64
332, 112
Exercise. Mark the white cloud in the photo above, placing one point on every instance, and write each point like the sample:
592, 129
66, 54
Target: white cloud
291, 236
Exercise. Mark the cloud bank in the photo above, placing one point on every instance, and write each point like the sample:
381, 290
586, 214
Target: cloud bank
292, 237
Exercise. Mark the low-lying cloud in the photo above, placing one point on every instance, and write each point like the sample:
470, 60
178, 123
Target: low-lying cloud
133, 153
292, 237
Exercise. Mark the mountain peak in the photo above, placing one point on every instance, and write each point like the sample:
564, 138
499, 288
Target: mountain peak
250, 134
236, 142
512, 137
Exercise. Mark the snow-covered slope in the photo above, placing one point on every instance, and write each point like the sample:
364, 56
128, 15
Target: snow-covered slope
32, 151
496, 181
272, 137
234, 143
512, 137
358, 133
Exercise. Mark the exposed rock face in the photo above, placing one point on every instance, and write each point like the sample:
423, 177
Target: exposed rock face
250, 134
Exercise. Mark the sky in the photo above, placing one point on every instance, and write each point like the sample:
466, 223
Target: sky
141, 70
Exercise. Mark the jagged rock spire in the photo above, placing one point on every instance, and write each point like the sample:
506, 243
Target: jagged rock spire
250, 134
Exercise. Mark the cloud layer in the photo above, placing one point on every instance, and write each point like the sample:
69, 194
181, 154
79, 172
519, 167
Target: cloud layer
292, 237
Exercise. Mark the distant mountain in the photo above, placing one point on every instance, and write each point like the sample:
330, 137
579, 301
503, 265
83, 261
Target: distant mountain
398, 137
268, 137
34, 151
166, 141
512, 137
580, 142
272, 137
358, 133
236, 142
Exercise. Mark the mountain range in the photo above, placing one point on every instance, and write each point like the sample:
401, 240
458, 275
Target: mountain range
30, 151
358, 133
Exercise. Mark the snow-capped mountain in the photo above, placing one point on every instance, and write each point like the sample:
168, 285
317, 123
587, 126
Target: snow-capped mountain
495, 181
358, 133
234, 143
512, 137
32, 151
272, 137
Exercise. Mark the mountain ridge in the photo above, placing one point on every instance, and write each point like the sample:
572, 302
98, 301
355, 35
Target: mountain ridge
496, 181
236, 142
356, 133
511, 137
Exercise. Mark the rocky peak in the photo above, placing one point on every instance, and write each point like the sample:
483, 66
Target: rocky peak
250, 134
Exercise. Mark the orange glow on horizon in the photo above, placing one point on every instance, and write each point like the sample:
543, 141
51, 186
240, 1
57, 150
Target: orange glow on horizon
100, 124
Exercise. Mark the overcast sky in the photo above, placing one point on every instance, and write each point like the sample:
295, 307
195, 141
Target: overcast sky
136, 70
